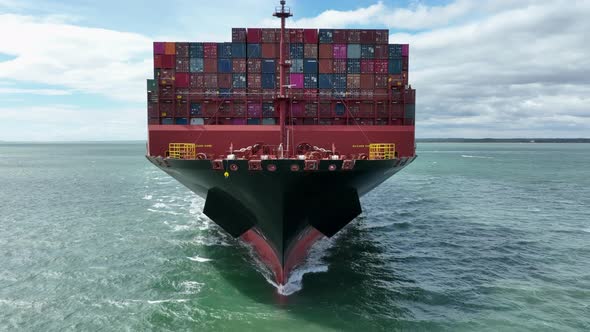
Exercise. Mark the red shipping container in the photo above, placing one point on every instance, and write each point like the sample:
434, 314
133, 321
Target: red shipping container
353, 36
182, 65
181, 109
367, 81
339, 51
168, 61
254, 92
367, 36
210, 50
197, 81
254, 36
278, 36
239, 65
405, 63
325, 66
210, 65
254, 81
325, 93
339, 66
381, 81
166, 74
296, 35
210, 80
210, 109
241, 93
397, 110
254, 109
268, 36
170, 48
310, 93
354, 93
166, 92
353, 81
270, 51
367, 66
238, 35
367, 93
366, 109
380, 94
296, 109
381, 51
310, 51
325, 109
196, 94
158, 61
310, 36
382, 37
269, 94
159, 48
224, 81
339, 36
326, 51
182, 80
381, 66
254, 66
182, 50
167, 108
405, 50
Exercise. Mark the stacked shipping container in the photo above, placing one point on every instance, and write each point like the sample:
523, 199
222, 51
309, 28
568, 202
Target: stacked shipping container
335, 77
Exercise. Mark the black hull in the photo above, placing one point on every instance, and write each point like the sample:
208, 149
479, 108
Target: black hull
281, 212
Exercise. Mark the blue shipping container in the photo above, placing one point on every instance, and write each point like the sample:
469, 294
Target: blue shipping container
339, 81
325, 36
340, 110
167, 121
196, 109
353, 51
395, 66
410, 111
326, 81
268, 81
296, 51
224, 93
310, 81
181, 121
253, 121
353, 66
310, 66
268, 67
196, 65
367, 51
238, 50
268, 121
224, 65
196, 50
254, 51
224, 50
297, 66
239, 81
395, 51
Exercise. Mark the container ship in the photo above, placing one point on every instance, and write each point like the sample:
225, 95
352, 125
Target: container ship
282, 130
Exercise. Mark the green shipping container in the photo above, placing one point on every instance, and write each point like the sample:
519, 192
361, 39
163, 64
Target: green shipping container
410, 111
152, 85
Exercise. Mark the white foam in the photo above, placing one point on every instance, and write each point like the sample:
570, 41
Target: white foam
199, 259
478, 157
169, 300
160, 205
147, 197
168, 212
191, 287
313, 264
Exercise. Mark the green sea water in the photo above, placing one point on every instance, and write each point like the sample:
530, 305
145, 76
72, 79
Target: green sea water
470, 237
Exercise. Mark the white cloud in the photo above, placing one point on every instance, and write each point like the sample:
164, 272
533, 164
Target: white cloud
42, 92
71, 123
91, 60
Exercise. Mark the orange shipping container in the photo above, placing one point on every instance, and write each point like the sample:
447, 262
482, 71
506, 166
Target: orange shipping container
170, 48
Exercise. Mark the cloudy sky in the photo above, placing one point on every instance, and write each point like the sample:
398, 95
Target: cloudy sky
76, 70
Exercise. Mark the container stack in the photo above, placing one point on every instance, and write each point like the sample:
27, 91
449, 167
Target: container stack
336, 77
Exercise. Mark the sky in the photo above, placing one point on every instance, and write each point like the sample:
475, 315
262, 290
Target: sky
76, 70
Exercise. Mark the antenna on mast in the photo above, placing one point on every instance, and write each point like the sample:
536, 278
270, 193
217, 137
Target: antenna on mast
283, 13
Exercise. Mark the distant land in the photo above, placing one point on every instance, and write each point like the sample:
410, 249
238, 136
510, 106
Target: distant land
503, 140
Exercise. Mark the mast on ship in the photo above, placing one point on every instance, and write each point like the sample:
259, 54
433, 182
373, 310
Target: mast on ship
283, 13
